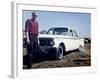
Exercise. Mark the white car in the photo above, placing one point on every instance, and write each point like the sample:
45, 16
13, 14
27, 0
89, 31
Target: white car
59, 40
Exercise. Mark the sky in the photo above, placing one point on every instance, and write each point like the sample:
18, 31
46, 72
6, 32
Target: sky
80, 22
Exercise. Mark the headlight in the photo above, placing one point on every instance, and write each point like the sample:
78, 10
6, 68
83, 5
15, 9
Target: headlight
52, 43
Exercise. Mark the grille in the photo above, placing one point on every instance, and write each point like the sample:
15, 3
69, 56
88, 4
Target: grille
45, 41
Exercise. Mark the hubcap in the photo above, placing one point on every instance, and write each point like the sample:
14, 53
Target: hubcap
60, 52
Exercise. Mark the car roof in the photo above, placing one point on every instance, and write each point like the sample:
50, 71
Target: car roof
59, 28
62, 28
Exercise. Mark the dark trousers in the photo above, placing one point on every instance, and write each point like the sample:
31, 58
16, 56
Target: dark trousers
32, 49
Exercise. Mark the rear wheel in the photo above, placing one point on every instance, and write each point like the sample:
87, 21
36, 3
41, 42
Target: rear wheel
59, 53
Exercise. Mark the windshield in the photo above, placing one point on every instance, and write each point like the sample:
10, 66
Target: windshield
58, 31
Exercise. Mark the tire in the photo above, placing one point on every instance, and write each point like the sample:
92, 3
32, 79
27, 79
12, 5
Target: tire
59, 53
63, 46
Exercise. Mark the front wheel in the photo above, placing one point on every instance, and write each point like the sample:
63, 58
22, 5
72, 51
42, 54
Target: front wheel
59, 53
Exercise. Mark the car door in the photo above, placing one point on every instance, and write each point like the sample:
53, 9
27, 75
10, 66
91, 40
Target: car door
71, 40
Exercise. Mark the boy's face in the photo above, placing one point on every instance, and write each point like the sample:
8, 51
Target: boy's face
33, 17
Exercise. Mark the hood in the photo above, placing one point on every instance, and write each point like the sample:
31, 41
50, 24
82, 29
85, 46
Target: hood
52, 36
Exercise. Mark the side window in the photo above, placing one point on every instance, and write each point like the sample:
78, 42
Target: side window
75, 34
70, 33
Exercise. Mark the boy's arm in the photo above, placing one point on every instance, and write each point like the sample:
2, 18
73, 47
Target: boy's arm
27, 25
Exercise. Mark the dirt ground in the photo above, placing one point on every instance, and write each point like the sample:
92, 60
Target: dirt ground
70, 59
